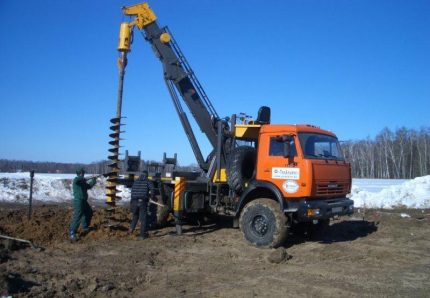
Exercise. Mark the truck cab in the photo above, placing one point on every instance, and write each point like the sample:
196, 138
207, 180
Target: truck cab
302, 168
302, 161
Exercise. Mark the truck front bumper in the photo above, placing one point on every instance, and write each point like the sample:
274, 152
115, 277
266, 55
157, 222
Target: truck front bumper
313, 209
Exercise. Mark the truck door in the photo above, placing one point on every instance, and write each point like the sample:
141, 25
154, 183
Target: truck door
274, 167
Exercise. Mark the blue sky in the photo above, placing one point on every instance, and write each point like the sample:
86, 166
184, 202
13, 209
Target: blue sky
352, 67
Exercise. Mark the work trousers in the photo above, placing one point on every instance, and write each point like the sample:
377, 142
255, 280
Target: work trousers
82, 213
139, 211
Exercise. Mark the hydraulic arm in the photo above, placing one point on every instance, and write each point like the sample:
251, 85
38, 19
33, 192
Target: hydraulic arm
179, 76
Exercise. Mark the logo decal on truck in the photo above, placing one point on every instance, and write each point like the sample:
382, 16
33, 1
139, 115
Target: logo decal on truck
290, 186
286, 173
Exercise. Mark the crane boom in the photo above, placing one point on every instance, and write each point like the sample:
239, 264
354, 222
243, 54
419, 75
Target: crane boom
179, 76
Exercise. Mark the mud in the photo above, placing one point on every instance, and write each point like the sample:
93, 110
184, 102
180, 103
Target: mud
374, 254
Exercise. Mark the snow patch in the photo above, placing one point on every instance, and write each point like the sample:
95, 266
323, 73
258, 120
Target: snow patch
15, 187
368, 193
413, 193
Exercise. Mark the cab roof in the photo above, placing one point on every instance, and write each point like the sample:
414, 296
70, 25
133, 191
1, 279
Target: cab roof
294, 128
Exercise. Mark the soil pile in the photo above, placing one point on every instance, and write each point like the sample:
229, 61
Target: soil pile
49, 224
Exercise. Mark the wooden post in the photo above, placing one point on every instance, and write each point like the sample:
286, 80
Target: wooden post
30, 201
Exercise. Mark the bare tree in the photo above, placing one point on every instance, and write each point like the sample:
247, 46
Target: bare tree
400, 154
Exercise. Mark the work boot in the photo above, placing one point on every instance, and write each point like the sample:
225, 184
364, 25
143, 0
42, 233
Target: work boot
72, 236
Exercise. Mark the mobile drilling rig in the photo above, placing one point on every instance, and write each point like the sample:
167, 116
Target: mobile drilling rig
285, 175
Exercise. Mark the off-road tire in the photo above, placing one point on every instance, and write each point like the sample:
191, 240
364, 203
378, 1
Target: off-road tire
263, 223
240, 167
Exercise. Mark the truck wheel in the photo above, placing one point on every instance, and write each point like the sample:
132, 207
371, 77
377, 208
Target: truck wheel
263, 223
240, 167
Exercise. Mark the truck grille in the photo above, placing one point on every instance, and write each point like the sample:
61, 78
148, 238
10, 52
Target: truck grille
332, 188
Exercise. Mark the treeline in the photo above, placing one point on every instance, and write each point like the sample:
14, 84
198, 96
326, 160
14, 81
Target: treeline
400, 154
12, 166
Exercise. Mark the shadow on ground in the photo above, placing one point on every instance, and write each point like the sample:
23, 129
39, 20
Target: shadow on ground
205, 224
13, 283
344, 231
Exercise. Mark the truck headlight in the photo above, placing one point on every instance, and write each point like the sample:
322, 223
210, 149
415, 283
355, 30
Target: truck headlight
313, 212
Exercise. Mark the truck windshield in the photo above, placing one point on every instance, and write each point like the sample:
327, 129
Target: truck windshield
319, 146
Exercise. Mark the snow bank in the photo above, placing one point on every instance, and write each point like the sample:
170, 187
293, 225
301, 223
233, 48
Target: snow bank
376, 185
15, 187
369, 193
397, 193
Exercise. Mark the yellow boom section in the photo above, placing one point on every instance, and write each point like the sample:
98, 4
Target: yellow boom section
144, 14
247, 131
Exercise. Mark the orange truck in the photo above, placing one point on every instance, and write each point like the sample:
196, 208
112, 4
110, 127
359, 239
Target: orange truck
267, 177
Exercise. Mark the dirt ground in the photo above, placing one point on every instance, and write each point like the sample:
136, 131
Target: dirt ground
376, 253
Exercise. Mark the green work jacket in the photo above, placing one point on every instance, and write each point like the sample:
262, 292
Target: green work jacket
80, 188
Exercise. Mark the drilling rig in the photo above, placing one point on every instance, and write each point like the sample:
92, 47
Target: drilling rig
286, 174
114, 165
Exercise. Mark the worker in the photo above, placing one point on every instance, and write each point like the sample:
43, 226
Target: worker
82, 212
141, 191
